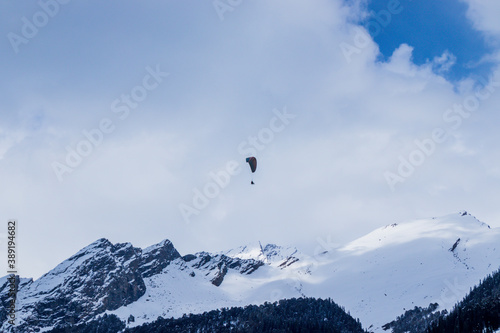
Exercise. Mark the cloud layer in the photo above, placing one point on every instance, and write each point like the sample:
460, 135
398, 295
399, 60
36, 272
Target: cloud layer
352, 120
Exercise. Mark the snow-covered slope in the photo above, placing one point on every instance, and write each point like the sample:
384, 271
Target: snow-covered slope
375, 277
395, 268
196, 283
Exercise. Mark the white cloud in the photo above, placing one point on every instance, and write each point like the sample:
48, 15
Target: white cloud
321, 175
443, 63
484, 15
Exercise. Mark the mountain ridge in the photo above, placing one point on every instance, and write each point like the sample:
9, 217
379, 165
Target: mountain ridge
376, 277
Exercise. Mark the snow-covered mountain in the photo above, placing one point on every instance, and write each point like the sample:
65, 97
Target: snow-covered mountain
376, 277
397, 267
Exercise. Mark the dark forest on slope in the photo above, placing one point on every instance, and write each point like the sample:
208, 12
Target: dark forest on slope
479, 311
292, 315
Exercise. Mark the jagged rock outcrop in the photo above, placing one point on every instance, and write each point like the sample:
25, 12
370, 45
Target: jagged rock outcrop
104, 277
389, 270
155, 258
100, 277
217, 265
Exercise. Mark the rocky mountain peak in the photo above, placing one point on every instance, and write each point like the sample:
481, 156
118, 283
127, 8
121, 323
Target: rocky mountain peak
156, 257
400, 264
100, 277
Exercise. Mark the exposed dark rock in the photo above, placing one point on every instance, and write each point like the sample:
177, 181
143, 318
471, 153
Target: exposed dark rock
251, 267
98, 278
104, 277
188, 257
219, 276
290, 260
455, 245
219, 264
157, 257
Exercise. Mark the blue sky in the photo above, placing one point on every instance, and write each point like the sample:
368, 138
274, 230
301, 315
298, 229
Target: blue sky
115, 116
433, 27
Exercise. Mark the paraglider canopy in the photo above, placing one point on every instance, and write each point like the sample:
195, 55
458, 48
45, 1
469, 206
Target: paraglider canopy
252, 161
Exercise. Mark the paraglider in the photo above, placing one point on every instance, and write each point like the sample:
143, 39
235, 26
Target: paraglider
252, 162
